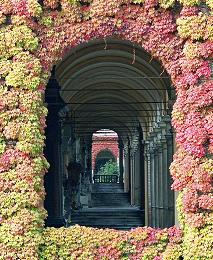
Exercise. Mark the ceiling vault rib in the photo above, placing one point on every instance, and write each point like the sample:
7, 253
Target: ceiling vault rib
103, 89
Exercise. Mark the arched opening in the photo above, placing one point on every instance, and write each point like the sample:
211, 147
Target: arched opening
105, 156
102, 158
123, 89
34, 36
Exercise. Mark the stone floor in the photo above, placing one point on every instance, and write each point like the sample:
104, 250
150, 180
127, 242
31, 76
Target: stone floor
110, 209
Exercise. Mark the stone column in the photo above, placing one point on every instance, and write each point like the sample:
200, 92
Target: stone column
170, 218
161, 187
85, 158
152, 186
77, 149
132, 181
138, 178
160, 152
156, 186
143, 179
121, 159
126, 168
89, 160
165, 181
83, 155
167, 154
64, 161
53, 179
85, 181
148, 208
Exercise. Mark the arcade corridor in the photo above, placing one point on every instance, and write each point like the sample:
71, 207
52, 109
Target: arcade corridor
111, 84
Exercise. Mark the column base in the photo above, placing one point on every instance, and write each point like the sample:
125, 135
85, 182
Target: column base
56, 222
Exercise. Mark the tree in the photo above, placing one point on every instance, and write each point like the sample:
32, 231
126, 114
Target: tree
109, 168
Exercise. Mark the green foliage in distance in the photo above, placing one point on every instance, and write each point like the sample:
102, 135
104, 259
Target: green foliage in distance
109, 168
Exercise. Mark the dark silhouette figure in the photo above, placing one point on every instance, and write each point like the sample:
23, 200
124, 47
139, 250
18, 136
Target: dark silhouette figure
72, 189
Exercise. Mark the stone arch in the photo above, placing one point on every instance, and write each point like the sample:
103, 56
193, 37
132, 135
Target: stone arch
103, 144
146, 104
117, 63
150, 39
154, 43
102, 157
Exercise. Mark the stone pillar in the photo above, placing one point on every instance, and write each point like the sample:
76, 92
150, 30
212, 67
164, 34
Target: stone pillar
77, 148
83, 155
156, 186
53, 179
121, 158
165, 181
85, 158
64, 161
85, 180
170, 218
89, 160
142, 173
167, 199
126, 168
132, 181
160, 152
152, 187
148, 208
161, 187
138, 178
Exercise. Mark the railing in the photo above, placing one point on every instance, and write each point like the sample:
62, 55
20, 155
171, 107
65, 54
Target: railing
105, 178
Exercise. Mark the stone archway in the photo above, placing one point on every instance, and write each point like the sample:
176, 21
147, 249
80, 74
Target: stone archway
102, 158
105, 145
103, 89
34, 37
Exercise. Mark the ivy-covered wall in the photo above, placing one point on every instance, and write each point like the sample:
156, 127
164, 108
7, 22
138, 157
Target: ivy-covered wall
35, 35
98, 244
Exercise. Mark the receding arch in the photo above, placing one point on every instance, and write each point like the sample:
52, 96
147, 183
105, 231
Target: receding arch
130, 94
106, 69
102, 158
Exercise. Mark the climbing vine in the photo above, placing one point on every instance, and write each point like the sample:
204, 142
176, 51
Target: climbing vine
97, 244
35, 35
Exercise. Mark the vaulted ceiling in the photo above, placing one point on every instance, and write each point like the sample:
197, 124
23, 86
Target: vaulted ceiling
113, 84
